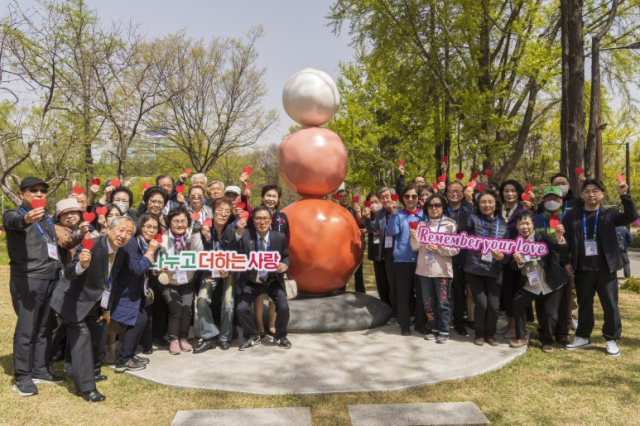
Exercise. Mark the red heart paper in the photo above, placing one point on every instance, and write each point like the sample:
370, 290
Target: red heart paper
526, 197
78, 190
248, 185
400, 162
336, 197
101, 211
554, 221
620, 178
528, 188
36, 203
241, 205
474, 175
459, 176
88, 216
87, 243
488, 172
579, 170
158, 238
146, 185
115, 183
244, 215
442, 178
445, 159
413, 225
188, 172
195, 216
471, 184
367, 203
481, 188
179, 189
356, 199
248, 170
395, 197
95, 181
207, 222
435, 186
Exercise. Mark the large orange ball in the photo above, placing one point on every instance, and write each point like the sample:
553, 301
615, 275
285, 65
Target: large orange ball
326, 245
312, 161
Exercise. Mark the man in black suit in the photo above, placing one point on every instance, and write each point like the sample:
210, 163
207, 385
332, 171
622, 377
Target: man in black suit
83, 302
253, 283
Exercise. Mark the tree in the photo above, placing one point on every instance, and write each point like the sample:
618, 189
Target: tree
217, 106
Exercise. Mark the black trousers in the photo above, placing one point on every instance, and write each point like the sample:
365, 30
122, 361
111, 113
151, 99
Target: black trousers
486, 295
547, 312
246, 314
32, 336
459, 295
179, 299
563, 324
132, 336
605, 283
389, 267
409, 297
157, 314
87, 342
359, 279
510, 287
382, 282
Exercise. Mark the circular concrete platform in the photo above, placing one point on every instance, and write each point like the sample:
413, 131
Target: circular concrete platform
370, 360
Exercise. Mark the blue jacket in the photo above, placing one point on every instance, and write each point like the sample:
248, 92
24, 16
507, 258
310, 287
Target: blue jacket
473, 259
129, 287
399, 228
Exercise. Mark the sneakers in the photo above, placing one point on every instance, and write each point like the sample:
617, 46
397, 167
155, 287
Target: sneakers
47, 378
251, 341
579, 343
612, 348
431, 335
283, 343
185, 346
26, 388
442, 338
518, 343
141, 359
131, 365
174, 347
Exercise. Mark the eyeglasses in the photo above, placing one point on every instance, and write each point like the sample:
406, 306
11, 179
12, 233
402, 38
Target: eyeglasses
262, 219
36, 190
435, 206
410, 197
179, 222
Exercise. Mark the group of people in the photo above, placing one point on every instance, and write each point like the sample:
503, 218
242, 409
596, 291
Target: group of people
85, 289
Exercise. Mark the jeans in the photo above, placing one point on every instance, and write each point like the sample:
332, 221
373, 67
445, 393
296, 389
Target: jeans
435, 295
208, 329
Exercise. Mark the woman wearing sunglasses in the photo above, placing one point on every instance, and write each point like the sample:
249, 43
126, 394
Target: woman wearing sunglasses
435, 269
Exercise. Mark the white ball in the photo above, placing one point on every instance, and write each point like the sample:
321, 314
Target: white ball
311, 97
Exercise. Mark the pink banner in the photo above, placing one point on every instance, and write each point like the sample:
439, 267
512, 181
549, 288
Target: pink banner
481, 244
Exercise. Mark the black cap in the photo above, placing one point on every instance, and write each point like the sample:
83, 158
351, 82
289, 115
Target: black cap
31, 181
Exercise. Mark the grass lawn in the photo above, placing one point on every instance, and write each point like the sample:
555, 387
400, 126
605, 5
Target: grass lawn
567, 388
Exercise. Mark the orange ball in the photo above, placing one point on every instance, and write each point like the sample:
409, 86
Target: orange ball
312, 161
326, 245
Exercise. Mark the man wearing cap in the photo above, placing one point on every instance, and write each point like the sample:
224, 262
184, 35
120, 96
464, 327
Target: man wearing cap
34, 262
554, 205
595, 260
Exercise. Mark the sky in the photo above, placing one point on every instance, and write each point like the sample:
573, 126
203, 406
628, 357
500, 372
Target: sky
296, 35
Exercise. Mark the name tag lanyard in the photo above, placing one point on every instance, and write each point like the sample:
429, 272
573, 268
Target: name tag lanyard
277, 215
484, 231
45, 236
439, 223
457, 213
584, 224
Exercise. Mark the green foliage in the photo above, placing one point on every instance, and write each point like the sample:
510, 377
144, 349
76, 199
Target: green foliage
631, 284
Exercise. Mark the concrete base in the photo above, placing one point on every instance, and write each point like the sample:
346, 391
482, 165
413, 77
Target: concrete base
259, 417
446, 413
340, 311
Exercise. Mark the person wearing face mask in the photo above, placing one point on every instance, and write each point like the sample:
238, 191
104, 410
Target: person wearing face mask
121, 197
408, 288
377, 226
542, 281
595, 259
568, 198
554, 206
459, 210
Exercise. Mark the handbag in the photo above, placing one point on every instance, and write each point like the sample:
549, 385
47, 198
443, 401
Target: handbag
290, 286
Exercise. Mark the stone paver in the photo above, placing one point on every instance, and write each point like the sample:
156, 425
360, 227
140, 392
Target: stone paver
446, 413
255, 417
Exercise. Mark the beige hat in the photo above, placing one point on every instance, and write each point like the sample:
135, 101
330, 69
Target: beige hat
67, 205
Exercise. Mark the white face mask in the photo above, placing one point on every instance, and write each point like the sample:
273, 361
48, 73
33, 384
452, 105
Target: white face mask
564, 189
124, 207
552, 206
375, 207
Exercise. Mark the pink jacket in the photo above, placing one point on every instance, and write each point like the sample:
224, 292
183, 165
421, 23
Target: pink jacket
443, 265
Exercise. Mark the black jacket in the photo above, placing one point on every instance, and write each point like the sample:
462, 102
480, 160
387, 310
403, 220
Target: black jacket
28, 251
75, 296
606, 234
461, 216
473, 263
555, 276
247, 244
